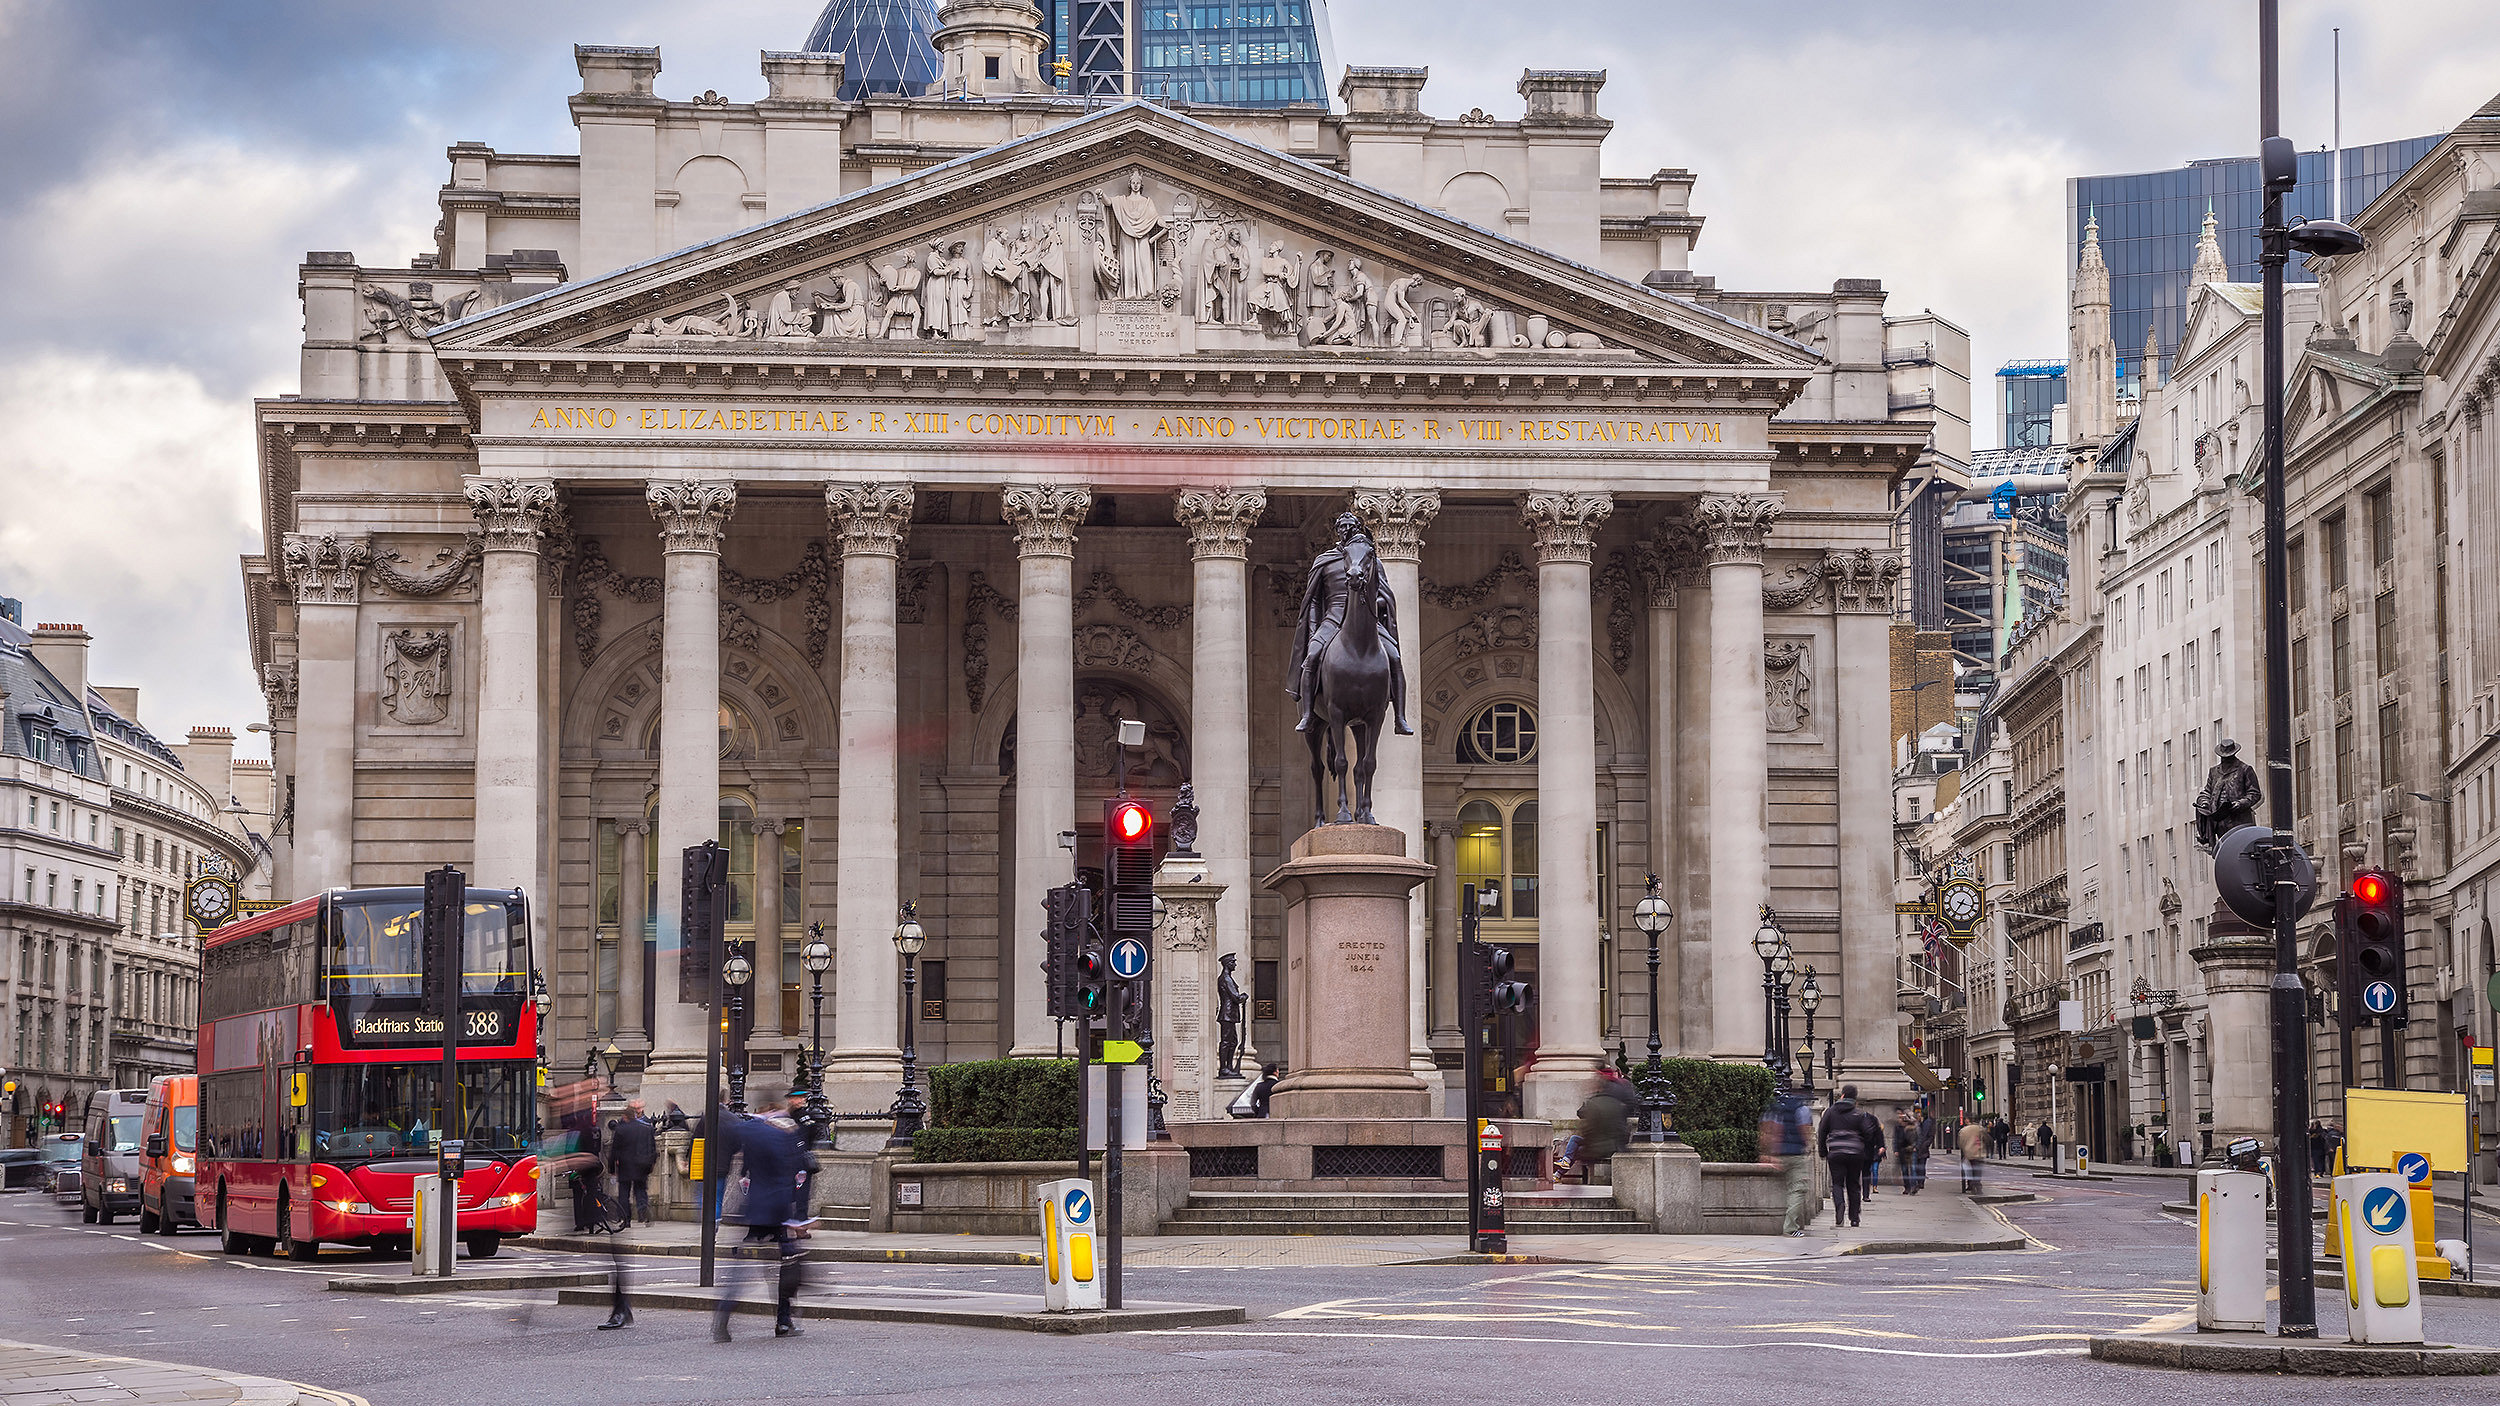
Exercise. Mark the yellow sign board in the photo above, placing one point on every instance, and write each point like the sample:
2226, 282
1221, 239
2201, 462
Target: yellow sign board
2482, 1055
2381, 1125
1122, 1051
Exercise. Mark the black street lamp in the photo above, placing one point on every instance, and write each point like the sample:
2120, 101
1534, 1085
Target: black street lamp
1784, 967
734, 973
1809, 995
1652, 916
909, 1111
816, 956
1769, 941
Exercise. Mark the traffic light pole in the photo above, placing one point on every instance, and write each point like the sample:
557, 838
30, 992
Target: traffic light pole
2298, 1313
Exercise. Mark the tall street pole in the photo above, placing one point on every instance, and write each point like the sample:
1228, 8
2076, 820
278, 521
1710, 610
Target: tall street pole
2298, 1311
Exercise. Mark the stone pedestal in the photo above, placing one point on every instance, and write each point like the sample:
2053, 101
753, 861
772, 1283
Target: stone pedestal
2237, 963
1661, 1184
1346, 890
1184, 981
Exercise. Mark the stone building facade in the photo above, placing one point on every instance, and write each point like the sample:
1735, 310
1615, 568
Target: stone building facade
952, 433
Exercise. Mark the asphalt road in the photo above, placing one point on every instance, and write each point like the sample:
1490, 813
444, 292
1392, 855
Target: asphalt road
1918, 1328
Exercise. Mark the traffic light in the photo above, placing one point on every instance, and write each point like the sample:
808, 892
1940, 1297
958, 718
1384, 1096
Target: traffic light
1128, 832
2370, 948
443, 918
703, 898
1069, 909
1093, 977
1504, 996
1979, 1091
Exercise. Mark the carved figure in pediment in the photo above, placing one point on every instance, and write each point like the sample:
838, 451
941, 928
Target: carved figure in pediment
789, 313
1398, 308
1280, 275
842, 313
416, 682
750, 322
1140, 224
417, 314
949, 312
1046, 276
998, 260
1106, 260
1473, 326
902, 282
1319, 294
1222, 296
694, 325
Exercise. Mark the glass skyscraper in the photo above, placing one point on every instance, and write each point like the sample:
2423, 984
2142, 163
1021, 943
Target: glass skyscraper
887, 46
2150, 222
2028, 394
1245, 53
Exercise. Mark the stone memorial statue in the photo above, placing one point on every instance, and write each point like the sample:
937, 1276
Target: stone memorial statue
1140, 224
1347, 670
1230, 1006
2229, 799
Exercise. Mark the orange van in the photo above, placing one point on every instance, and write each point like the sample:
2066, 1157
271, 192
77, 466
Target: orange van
169, 1149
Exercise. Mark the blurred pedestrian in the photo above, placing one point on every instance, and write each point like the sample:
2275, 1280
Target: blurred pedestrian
1905, 1149
1847, 1141
1605, 1122
1785, 1138
2047, 1146
633, 1150
572, 1151
770, 1164
2001, 1133
1975, 1141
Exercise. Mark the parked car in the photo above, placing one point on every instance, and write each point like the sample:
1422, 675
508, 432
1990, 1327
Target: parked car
110, 1163
21, 1168
60, 1162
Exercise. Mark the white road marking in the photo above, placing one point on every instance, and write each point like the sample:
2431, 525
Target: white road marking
1617, 1342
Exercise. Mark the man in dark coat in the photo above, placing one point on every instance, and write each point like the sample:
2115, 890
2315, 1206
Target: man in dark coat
1847, 1142
772, 1157
633, 1150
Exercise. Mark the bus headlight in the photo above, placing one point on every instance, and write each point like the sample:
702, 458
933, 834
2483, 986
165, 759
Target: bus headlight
351, 1208
511, 1198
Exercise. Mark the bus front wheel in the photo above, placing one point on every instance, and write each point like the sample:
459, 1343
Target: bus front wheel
482, 1247
293, 1248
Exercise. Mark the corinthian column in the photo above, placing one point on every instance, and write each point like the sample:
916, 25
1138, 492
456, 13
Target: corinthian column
1397, 518
1219, 522
327, 575
511, 514
1863, 583
1045, 518
869, 522
1563, 525
1732, 528
693, 515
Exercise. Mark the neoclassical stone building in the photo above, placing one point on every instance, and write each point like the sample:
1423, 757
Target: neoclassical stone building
971, 427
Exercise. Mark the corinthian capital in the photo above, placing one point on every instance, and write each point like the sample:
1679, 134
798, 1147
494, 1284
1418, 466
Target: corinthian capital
869, 519
1863, 580
1397, 518
1219, 519
511, 512
278, 685
1045, 516
1564, 523
325, 569
693, 513
1732, 525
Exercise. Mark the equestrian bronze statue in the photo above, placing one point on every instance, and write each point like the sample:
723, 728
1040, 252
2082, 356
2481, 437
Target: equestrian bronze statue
1347, 670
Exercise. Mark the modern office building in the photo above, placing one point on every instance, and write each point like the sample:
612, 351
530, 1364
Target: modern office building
2004, 549
2028, 394
1241, 53
2150, 220
888, 47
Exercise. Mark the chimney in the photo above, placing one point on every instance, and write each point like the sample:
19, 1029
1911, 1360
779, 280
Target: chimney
124, 701
208, 758
62, 651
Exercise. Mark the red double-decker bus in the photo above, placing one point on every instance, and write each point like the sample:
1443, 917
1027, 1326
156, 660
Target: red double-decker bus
319, 1069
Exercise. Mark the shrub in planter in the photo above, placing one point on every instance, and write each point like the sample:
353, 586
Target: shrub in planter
994, 1145
1725, 1144
1004, 1093
1719, 1098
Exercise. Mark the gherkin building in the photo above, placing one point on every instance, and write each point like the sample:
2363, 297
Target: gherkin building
887, 46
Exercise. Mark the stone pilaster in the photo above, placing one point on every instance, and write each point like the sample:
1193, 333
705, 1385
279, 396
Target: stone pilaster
1397, 518
1733, 527
326, 573
1219, 522
1184, 988
1563, 525
694, 516
1045, 517
869, 522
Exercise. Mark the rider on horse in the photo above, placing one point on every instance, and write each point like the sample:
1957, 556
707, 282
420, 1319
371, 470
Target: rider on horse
1323, 615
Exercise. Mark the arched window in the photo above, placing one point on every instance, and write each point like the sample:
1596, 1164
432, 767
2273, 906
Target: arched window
1499, 734
1497, 853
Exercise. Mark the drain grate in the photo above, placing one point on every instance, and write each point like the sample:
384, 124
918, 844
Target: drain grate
1376, 1162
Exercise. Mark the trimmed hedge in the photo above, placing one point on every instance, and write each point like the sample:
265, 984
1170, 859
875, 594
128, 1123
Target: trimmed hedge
1724, 1144
994, 1145
1004, 1093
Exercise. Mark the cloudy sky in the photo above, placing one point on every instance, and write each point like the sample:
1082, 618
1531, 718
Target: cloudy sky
169, 161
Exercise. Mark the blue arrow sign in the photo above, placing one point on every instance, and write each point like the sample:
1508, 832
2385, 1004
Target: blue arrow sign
2378, 998
1079, 1206
2414, 1168
2383, 1210
1128, 959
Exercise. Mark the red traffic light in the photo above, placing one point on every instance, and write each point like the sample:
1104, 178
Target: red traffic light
2370, 888
1130, 822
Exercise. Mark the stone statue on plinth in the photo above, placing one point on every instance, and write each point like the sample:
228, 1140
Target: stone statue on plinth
1230, 1005
1347, 670
2229, 799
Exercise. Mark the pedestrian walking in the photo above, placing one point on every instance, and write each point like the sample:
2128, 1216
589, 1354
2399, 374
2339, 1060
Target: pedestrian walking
1847, 1142
2002, 1134
1785, 1138
572, 1151
633, 1150
2047, 1146
1905, 1135
1975, 1140
764, 1199
1881, 1145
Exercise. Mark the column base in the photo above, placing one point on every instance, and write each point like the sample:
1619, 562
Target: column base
1556, 1085
1349, 1093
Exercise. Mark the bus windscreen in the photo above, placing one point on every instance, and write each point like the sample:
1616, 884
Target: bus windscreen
366, 1112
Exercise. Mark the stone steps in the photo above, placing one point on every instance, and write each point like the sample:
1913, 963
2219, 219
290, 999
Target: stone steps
1386, 1213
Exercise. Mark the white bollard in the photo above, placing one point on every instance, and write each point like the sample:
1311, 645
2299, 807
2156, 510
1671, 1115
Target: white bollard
1071, 1275
426, 1211
2230, 1252
2382, 1279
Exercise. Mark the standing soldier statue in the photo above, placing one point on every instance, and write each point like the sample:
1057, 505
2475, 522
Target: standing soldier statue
2229, 799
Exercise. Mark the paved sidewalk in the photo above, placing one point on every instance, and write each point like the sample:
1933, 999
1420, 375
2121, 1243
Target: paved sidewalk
32, 1375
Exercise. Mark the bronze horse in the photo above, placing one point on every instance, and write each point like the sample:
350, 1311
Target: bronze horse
1351, 680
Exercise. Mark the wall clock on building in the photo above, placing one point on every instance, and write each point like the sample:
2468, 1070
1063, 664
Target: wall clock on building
209, 899
1960, 902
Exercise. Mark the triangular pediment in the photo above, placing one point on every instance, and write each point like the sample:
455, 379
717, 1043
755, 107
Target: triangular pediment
2219, 311
2327, 386
1131, 232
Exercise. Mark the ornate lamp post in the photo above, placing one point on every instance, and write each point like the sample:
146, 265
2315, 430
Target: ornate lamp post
1809, 995
1768, 940
1783, 967
816, 956
909, 1111
734, 973
1652, 916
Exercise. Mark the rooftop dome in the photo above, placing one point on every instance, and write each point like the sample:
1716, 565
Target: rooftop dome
887, 46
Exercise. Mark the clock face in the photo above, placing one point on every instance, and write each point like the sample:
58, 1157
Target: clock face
212, 900
1961, 904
